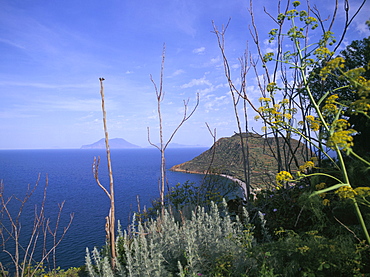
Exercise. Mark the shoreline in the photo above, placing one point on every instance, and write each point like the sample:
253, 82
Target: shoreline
242, 184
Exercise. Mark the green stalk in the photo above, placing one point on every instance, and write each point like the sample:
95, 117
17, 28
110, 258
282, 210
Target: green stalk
337, 150
361, 219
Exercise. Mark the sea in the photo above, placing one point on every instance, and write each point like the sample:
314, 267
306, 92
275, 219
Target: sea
70, 180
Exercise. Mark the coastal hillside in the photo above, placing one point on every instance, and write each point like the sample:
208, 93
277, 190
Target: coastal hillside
225, 157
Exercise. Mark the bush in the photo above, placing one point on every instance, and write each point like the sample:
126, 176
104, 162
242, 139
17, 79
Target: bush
311, 254
208, 244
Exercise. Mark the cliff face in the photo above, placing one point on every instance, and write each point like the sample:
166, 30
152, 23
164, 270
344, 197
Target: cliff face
225, 157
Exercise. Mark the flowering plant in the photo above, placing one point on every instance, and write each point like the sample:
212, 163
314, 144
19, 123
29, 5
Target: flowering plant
324, 116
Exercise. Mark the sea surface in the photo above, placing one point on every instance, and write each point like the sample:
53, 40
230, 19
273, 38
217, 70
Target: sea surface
136, 174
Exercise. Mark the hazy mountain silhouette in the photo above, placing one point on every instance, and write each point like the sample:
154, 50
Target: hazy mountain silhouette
116, 143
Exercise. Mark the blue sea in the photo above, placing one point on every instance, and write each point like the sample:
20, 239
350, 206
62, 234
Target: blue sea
136, 173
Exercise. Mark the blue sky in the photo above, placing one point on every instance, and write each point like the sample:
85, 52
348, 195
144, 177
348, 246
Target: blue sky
53, 53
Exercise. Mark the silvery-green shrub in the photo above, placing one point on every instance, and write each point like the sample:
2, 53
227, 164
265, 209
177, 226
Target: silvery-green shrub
205, 245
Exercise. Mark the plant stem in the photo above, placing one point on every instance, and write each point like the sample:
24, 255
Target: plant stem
326, 126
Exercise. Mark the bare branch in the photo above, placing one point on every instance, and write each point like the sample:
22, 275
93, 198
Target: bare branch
184, 119
150, 142
23, 257
213, 135
96, 175
348, 20
111, 216
163, 145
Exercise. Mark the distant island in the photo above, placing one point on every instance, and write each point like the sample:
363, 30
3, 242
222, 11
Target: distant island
225, 158
116, 143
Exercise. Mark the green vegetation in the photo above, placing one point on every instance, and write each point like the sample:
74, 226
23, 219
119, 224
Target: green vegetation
209, 243
310, 217
225, 157
269, 238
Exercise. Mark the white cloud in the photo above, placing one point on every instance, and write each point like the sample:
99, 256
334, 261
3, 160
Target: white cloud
220, 98
211, 88
214, 63
215, 60
215, 103
197, 82
205, 91
199, 50
363, 29
176, 73
235, 66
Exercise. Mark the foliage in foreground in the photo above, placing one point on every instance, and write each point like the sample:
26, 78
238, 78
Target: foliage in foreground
212, 244
310, 236
209, 244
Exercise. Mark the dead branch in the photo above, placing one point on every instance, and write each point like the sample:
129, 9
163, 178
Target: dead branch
96, 175
236, 96
111, 216
163, 145
23, 257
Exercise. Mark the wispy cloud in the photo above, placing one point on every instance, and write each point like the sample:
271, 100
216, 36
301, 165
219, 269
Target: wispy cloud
47, 85
363, 29
14, 113
199, 50
197, 82
215, 103
176, 73
216, 60
11, 43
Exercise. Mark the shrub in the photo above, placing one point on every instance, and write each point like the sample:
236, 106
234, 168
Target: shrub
311, 254
208, 244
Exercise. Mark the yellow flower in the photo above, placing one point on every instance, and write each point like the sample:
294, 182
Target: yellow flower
257, 117
320, 186
346, 192
288, 116
307, 165
331, 99
310, 117
329, 109
303, 249
313, 123
283, 176
341, 139
271, 87
341, 124
330, 66
326, 202
363, 191
321, 53
361, 105
285, 101
364, 86
264, 99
